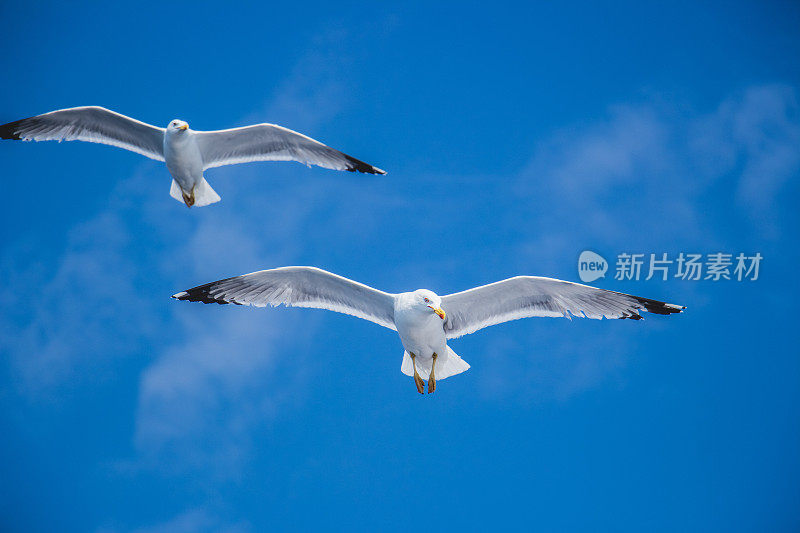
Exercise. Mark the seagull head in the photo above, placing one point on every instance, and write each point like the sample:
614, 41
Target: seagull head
429, 302
177, 126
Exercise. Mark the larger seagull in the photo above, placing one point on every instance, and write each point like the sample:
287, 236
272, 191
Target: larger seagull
186, 152
424, 320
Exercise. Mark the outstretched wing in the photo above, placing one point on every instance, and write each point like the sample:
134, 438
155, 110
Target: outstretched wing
91, 124
529, 296
268, 142
299, 286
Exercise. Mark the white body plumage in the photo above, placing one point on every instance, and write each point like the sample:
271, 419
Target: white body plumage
424, 320
422, 333
182, 156
184, 161
186, 152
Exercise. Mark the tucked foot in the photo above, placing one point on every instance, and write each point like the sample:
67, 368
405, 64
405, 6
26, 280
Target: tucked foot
188, 199
417, 380
419, 383
432, 378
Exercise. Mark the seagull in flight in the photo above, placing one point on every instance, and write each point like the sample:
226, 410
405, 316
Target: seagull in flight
186, 152
424, 320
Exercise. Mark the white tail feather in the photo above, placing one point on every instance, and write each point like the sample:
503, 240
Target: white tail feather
203, 193
175, 191
445, 367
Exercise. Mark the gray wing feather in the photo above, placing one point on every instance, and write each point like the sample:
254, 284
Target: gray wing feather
268, 142
91, 124
299, 287
529, 296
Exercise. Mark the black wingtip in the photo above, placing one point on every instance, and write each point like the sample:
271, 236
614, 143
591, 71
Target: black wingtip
359, 166
9, 131
634, 316
660, 308
199, 294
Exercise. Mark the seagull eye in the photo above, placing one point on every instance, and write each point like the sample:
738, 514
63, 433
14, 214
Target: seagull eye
427, 301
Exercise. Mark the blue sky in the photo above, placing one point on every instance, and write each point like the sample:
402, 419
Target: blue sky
515, 137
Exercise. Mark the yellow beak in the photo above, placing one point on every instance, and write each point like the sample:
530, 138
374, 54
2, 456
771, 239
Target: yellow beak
183, 127
439, 311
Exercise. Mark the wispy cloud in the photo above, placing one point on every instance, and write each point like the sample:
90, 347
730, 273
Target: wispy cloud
196, 520
764, 130
105, 297
315, 91
657, 151
69, 320
200, 401
210, 379
638, 180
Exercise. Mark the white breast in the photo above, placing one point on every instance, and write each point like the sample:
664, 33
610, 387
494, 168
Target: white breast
183, 157
421, 332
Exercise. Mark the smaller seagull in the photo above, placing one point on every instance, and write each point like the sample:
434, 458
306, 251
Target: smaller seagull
186, 152
424, 320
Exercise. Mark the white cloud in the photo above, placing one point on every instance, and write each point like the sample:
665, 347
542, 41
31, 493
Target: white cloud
196, 520
105, 297
70, 318
765, 129
638, 181
200, 401
596, 180
212, 376
203, 397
